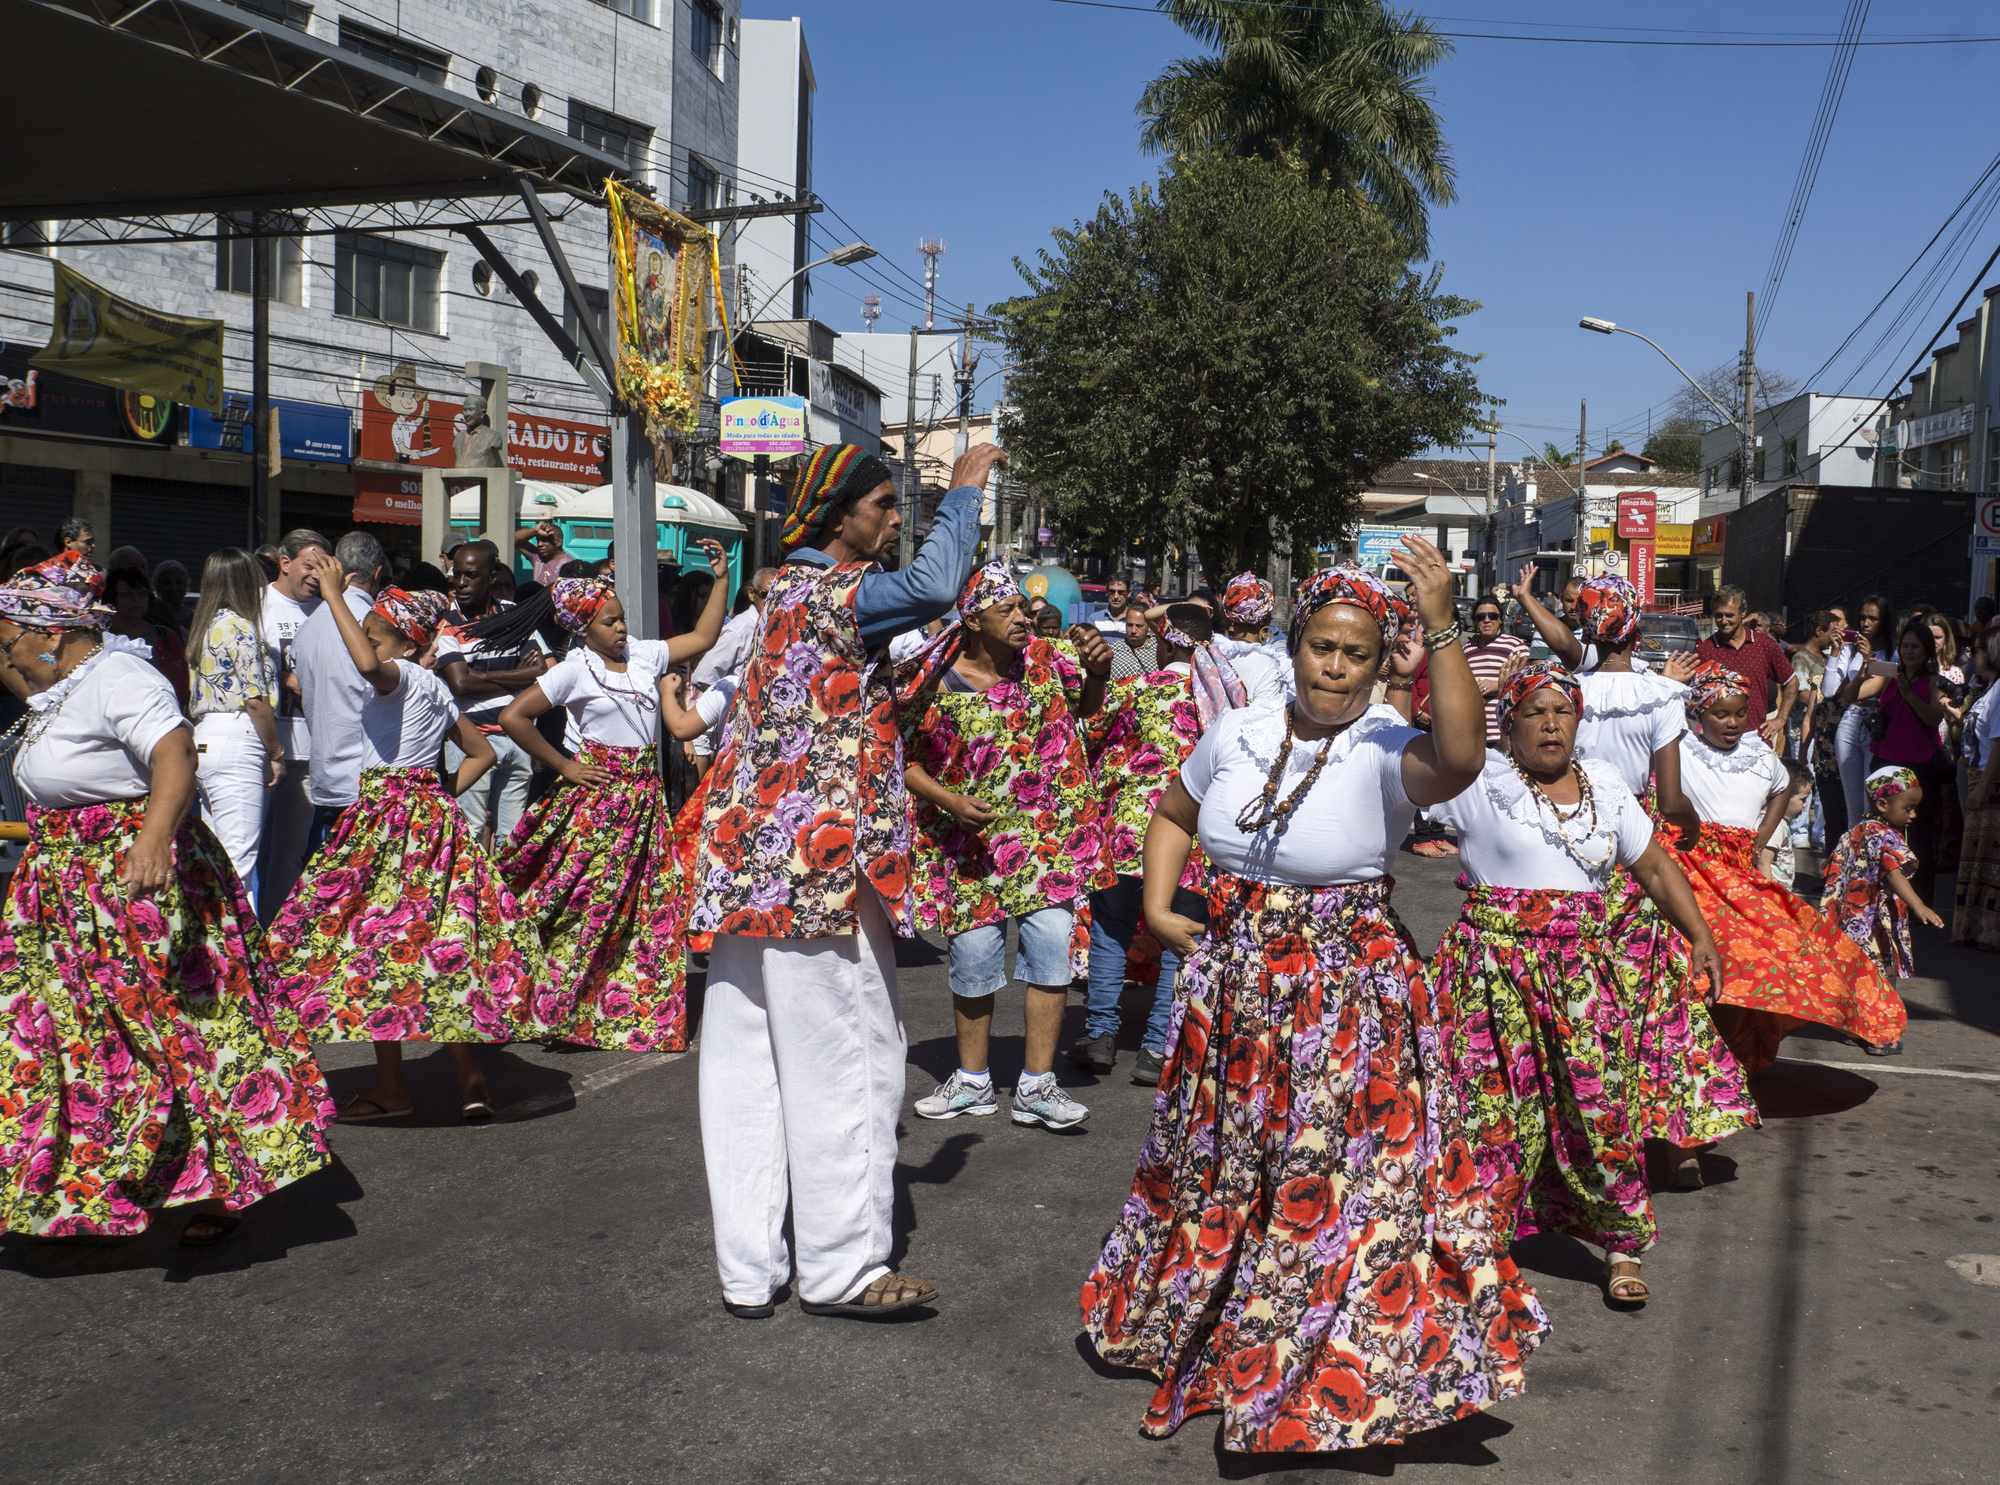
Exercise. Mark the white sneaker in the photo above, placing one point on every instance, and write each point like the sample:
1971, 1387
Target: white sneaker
1042, 1101
956, 1096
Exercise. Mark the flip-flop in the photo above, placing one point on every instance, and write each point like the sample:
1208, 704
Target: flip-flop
228, 1222
476, 1112
854, 1309
348, 1116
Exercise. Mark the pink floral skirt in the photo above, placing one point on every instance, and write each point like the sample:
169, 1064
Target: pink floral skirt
402, 931
144, 1062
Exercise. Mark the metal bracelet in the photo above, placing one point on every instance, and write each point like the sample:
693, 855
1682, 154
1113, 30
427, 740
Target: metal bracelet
1437, 639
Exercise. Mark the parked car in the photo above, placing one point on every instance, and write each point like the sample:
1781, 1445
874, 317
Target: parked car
1661, 635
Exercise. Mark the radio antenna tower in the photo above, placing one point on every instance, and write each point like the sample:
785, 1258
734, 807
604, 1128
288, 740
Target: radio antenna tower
932, 248
871, 310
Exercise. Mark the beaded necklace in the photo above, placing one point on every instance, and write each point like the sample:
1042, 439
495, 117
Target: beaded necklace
1586, 799
1267, 808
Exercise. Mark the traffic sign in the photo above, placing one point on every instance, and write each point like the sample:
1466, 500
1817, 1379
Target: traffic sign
1986, 527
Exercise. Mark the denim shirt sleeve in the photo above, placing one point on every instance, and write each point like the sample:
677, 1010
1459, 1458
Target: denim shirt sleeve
893, 603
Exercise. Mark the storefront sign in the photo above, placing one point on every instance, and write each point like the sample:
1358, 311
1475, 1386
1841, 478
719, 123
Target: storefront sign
33, 400
97, 336
1638, 512
1642, 570
402, 423
389, 499
1672, 539
1916, 433
763, 425
1373, 544
1708, 534
306, 430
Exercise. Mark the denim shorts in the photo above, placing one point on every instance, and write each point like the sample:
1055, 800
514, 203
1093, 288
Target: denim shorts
979, 955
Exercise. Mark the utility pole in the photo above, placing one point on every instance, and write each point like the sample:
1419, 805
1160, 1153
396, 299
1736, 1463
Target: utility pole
1749, 429
260, 379
932, 248
912, 490
1582, 480
1490, 559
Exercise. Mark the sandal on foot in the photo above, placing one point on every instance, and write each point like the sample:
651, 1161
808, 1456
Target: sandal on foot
365, 1110
1622, 1282
750, 1312
223, 1223
1687, 1174
476, 1111
889, 1293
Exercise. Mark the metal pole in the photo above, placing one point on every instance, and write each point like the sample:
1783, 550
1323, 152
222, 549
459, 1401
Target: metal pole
1490, 559
912, 489
260, 380
1582, 481
1748, 431
634, 529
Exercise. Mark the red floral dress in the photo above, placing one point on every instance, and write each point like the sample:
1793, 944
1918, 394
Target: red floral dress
1138, 742
1858, 901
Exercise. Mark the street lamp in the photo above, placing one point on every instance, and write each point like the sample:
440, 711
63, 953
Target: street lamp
847, 257
1745, 431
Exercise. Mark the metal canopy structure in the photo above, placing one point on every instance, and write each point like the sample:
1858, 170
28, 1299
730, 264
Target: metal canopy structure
163, 107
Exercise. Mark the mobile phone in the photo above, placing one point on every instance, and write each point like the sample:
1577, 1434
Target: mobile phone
1884, 668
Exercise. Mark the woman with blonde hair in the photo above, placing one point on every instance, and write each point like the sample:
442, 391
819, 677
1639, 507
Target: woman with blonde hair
231, 692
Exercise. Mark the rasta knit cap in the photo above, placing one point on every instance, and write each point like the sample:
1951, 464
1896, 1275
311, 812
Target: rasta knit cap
834, 474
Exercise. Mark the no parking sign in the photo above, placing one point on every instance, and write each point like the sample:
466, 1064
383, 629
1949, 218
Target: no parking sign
1986, 528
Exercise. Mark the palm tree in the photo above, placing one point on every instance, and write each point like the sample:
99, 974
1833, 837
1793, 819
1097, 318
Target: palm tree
1336, 89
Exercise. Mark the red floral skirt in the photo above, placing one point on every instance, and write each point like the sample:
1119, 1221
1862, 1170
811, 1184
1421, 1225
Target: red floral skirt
1307, 1247
1784, 965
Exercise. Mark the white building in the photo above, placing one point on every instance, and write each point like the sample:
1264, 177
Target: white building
774, 162
1810, 439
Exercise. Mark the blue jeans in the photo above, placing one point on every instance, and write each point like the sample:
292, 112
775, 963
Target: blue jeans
979, 955
1114, 919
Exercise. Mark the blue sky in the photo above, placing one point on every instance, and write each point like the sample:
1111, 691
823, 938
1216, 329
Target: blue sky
1643, 184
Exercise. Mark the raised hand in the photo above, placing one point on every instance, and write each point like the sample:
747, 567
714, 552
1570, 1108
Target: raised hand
1431, 585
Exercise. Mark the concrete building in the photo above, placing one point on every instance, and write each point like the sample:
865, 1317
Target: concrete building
774, 161
1810, 439
1566, 525
655, 82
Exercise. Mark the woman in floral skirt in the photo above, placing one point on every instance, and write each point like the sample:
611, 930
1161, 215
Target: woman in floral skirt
593, 861
1687, 1089
144, 1062
1543, 1044
1783, 964
401, 929
1307, 1247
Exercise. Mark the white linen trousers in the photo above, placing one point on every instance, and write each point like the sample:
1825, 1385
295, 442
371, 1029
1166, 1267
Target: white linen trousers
802, 1080
229, 775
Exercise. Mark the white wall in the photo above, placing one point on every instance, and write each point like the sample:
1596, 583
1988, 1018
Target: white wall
775, 60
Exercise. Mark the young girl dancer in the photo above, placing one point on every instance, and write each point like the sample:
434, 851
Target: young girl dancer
1784, 965
1868, 893
1308, 1247
1542, 1042
592, 861
401, 930
144, 1062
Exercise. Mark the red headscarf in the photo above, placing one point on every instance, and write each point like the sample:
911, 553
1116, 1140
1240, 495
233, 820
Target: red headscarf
1352, 584
577, 601
1609, 608
1529, 679
415, 616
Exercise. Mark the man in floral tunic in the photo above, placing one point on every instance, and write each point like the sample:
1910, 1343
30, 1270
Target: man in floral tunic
1007, 829
801, 872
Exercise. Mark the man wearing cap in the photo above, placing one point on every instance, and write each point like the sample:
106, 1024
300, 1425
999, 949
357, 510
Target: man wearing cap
802, 874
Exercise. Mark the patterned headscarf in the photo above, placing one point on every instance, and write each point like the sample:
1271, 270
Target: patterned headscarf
1523, 683
415, 616
1708, 685
1247, 600
987, 586
577, 601
1352, 584
1886, 783
832, 474
61, 593
1609, 608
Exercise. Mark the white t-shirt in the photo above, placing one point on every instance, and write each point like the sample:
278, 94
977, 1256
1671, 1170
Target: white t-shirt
1732, 788
1590, 660
732, 649
1982, 723
1627, 717
620, 711
1842, 665
101, 743
406, 727
1507, 837
1268, 660
1347, 829
334, 693
712, 706
284, 617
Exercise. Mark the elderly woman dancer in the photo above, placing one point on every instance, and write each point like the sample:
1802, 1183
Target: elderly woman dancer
1542, 1044
144, 1062
593, 860
1783, 964
401, 930
1689, 1090
1307, 1246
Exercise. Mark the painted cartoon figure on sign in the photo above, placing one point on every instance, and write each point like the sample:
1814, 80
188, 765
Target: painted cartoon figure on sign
400, 394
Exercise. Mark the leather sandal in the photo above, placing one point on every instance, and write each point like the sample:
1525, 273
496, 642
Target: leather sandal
1622, 1282
886, 1295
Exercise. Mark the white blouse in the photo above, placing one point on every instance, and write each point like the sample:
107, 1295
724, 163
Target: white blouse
110, 713
406, 727
1510, 838
619, 711
1348, 829
1627, 717
1732, 788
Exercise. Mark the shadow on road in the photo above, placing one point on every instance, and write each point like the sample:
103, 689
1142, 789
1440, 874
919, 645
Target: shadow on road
1796, 1090
511, 1080
944, 1166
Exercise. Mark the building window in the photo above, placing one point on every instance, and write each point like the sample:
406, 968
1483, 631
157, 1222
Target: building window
1791, 456
1993, 461
1954, 458
284, 258
284, 12
705, 34
618, 137
639, 10
375, 278
394, 52
704, 186
597, 305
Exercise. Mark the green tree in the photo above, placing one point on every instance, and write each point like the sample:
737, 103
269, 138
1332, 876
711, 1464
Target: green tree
1336, 89
1180, 378
1553, 455
1676, 441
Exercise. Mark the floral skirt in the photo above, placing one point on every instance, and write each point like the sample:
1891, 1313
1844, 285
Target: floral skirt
1975, 918
1783, 964
143, 1061
402, 931
1690, 1088
1543, 1052
596, 876
1307, 1246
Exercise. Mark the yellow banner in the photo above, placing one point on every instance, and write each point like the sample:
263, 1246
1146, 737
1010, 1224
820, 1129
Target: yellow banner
99, 337
1671, 541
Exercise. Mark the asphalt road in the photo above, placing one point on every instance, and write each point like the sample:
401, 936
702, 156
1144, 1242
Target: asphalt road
535, 1300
